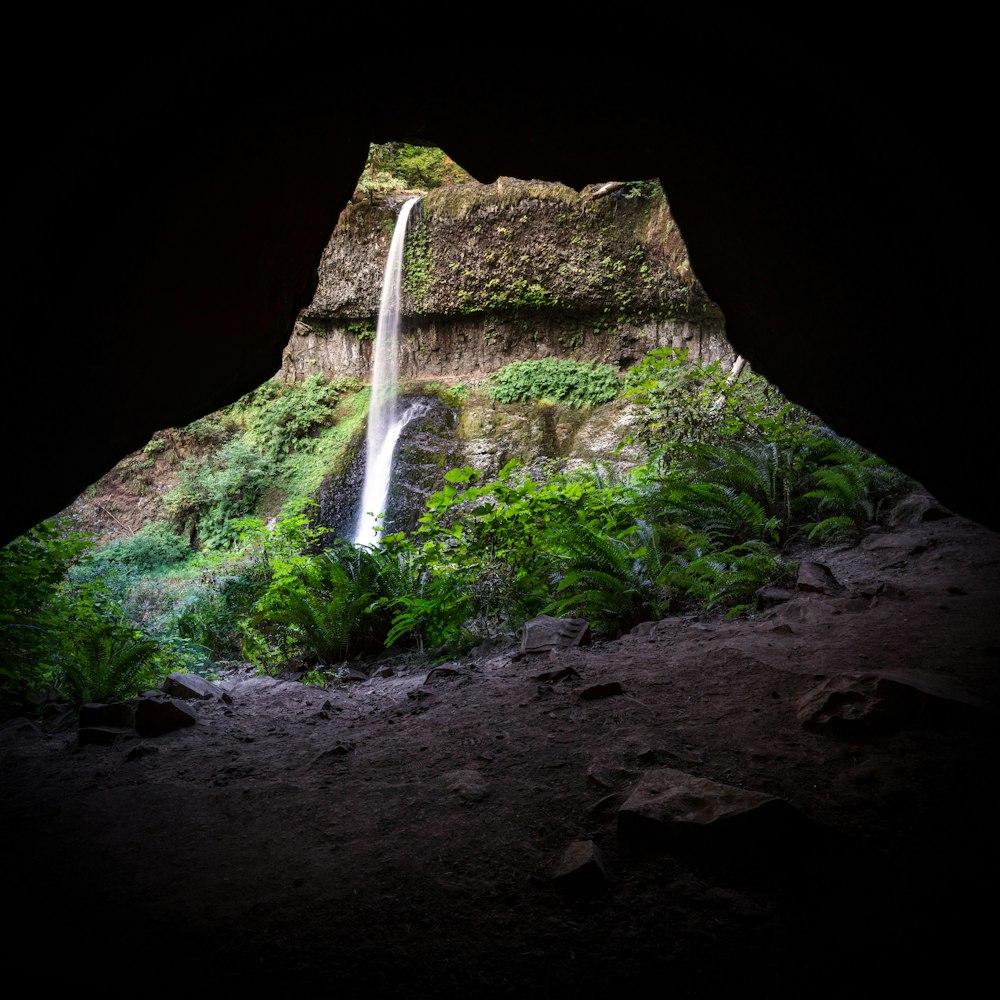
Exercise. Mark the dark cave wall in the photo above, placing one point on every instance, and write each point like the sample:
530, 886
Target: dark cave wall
171, 194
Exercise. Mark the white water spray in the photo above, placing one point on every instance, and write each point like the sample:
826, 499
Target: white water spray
385, 424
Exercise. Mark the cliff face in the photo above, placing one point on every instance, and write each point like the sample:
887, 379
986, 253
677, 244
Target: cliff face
492, 274
507, 271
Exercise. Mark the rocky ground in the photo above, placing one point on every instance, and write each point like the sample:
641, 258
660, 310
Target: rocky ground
573, 822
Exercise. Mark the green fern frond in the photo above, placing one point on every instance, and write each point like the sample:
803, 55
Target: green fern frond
612, 585
734, 573
586, 547
110, 662
610, 581
721, 513
829, 527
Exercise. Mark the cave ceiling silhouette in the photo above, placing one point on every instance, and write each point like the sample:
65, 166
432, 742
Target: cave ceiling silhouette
172, 187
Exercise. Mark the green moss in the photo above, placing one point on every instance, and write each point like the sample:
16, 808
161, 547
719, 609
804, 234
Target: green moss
362, 330
558, 380
417, 264
304, 470
451, 395
518, 295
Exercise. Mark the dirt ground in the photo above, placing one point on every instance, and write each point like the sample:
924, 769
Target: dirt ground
405, 835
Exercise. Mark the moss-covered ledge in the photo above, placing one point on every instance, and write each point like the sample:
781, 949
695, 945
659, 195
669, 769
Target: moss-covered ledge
514, 269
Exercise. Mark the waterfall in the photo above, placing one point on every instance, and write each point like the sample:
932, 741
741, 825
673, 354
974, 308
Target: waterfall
385, 424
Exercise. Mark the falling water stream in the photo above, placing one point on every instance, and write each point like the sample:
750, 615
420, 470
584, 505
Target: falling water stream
385, 423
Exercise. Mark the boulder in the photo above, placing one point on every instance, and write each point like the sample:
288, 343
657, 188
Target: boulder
158, 716
817, 578
119, 714
545, 632
860, 706
581, 870
916, 509
683, 811
191, 686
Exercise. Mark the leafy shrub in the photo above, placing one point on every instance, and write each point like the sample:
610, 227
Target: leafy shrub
108, 661
212, 430
212, 614
399, 165
483, 569
33, 568
576, 383
55, 628
684, 403
280, 417
211, 494
152, 549
323, 602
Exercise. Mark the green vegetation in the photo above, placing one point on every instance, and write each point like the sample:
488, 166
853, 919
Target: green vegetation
506, 296
453, 395
110, 662
735, 481
363, 331
278, 441
212, 492
396, 166
281, 417
557, 380
322, 604
417, 263
61, 625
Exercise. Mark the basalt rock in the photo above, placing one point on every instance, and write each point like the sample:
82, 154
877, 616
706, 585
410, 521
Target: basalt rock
672, 808
191, 686
511, 270
544, 633
158, 716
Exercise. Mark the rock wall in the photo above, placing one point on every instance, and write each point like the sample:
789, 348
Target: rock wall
442, 348
509, 271
471, 429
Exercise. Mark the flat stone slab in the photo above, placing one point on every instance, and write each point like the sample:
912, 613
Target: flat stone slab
678, 808
156, 717
581, 869
189, 686
859, 706
545, 632
817, 578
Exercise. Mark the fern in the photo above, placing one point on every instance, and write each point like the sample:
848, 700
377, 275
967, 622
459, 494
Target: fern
761, 469
843, 495
721, 513
111, 662
721, 578
830, 527
322, 623
560, 380
609, 584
